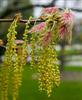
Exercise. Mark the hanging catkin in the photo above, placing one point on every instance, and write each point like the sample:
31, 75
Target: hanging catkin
8, 58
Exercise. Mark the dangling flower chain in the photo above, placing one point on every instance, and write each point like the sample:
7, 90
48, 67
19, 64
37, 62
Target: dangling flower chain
22, 51
8, 57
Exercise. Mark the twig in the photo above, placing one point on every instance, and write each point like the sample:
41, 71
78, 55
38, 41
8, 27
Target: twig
21, 20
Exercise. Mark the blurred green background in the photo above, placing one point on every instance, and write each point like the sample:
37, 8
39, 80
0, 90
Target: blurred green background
68, 89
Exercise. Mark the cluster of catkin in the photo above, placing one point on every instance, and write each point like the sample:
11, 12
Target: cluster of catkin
14, 61
44, 37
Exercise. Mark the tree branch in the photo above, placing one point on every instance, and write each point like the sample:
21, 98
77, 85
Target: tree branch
21, 20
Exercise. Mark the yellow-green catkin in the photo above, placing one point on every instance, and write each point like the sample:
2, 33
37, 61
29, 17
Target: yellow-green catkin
7, 64
23, 52
48, 70
33, 48
47, 62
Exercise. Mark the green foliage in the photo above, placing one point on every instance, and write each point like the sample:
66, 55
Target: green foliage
11, 71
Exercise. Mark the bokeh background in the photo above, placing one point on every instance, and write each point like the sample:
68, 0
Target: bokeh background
70, 56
